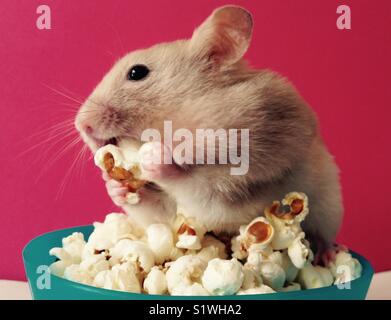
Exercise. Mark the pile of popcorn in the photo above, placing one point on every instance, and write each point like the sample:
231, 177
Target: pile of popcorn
270, 254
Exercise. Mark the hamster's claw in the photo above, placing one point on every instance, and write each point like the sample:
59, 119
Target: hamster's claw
116, 191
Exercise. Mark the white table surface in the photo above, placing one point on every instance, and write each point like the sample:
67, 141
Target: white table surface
17, 290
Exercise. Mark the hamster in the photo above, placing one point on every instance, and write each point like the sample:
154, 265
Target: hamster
204, 82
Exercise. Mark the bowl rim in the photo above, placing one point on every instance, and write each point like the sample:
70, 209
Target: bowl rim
367, 272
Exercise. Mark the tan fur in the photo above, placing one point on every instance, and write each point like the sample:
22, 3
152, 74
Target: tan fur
205, 83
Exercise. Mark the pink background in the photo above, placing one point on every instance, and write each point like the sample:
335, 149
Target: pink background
344, 75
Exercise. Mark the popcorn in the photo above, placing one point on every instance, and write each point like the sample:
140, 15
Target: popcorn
95, 264
258, 290
223, 277
155, 282
160, 239
210, 241
121, 277
209, 253
299, 251
70, 253
286, 216
74, 273
194, 289
272, 274
314, 277
185, 271
255, 236
182, 259
212, 248
251, 278
107, 234
58, 268
189, 232
134, 251
290, 270
72, 248
293, 286
345, 268
122, 164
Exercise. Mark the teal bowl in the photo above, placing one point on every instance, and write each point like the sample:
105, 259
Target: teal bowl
44, 286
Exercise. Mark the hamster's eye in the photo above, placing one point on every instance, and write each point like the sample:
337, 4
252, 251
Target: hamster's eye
137, 72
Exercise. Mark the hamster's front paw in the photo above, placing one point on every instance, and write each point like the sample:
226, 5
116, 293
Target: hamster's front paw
156, 162
116, 190
327, 255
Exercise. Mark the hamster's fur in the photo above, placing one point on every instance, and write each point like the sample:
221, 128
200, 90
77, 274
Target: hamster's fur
203, 82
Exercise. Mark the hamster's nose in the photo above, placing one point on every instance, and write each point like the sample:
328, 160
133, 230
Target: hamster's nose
85, 127
88, 129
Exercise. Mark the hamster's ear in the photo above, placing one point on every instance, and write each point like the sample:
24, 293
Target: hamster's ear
224, 36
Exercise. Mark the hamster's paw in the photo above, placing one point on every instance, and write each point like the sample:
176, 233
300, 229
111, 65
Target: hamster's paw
116, 190
324, 257
156, 162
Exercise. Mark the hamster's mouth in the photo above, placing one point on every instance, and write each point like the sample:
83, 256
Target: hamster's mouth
113, 140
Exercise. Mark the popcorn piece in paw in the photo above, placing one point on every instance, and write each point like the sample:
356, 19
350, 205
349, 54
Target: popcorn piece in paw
132, 198
121, 277
122, 164
95, 264
116, 226
160, 239
299, 251
75, 273
292, 286
258, 290
194, 289
345, 268
291, 271
251, 278
255, 236
127, 250
189, 233
186, 270
314, 277
223, 277
272, 274
155, 282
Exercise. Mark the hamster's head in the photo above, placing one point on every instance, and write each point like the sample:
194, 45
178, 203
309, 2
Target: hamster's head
178, 81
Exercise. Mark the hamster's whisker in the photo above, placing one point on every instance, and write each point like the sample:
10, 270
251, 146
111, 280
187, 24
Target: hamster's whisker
83, 161
118, 38
52, 132
59, 155
67, 177
62, 94
93, 102
66, 126
57, 136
